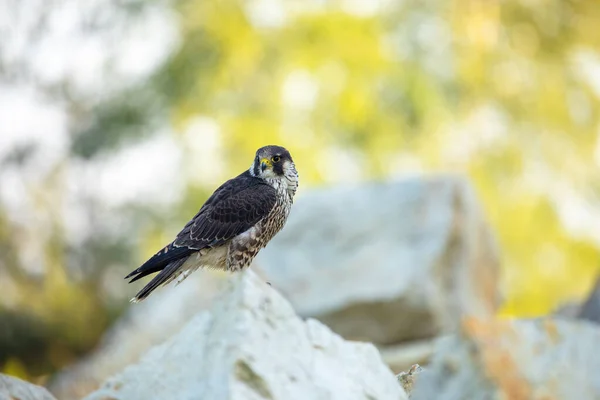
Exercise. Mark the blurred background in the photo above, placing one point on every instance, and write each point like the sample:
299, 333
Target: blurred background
119, 117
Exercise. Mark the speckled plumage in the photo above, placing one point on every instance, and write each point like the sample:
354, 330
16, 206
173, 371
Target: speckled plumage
236, 221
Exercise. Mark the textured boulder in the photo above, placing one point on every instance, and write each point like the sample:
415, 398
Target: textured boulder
590, 310
387, 262
251, 345
408, 378
517, 360
16, 389
144, 325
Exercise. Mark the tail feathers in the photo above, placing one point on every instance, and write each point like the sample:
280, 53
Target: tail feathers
165, 276
159, 261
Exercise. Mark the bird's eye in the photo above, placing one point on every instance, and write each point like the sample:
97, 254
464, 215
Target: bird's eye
276, 159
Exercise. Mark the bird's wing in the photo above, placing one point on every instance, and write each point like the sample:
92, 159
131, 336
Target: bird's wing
232, 209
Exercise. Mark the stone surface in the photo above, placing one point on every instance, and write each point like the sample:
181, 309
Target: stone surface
590, 310
408, 378
402, 356
144, 325
15, 389
251, 345
517, 360
387, 262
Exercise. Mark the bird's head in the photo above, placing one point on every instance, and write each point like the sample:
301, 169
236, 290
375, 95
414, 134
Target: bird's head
275, 163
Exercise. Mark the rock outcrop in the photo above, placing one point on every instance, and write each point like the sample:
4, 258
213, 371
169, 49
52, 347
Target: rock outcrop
590, 309
387, 262
391, 263
144, 325
517, 360
15, 389
408, 378
251, 345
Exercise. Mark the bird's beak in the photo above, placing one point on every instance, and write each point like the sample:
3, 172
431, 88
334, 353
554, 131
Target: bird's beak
264, 163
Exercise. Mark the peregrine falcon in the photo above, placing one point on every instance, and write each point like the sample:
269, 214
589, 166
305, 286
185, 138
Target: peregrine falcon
236, 221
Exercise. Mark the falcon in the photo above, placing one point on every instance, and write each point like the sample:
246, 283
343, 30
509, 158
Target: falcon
236, 221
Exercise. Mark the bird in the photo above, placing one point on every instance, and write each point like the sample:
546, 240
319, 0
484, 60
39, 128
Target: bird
232, 226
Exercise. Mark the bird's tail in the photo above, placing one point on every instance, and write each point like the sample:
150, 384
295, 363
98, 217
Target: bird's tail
170, 272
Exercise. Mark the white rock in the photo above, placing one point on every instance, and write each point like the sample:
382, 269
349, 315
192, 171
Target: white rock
590, 309
144, 325
253, 346
15, 389
387, 262
516, 360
